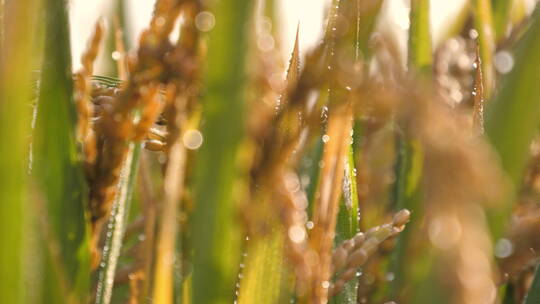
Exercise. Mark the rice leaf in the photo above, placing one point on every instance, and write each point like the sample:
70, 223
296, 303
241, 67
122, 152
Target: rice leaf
58, 169
294, 64
533, 296
17, 29
407, 194
420, 49
365, 19
117, 225
501, 17
409, 166
264, 271
348, 221
483, 22
216, 238
513, 117
264, 262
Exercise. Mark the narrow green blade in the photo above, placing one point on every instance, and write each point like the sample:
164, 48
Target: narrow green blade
533, 296
420, 49
117, 225
17, 28
57, 168
483, 22
216, 235
513, 117
501, 17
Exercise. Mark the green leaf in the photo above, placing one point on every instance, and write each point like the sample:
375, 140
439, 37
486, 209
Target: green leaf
216, 237
264, 270
483, 22
407, 195
513, 117
347, 223
365, 24
420, 49
501, 17
17, 43
58, 169
117, 225
533, 295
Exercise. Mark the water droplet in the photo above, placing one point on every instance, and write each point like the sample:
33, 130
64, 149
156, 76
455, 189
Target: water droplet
473, 34
504, 248
504, 62
324, 113
310, 225
348, 88
297, 234
305, 180
116, 55
192, 139
347, 189
390, 276
205, 21
325, 138
325, 284
160, 21
162, 158
292, 183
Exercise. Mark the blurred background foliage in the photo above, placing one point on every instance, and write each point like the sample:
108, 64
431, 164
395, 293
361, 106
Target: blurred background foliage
210, 152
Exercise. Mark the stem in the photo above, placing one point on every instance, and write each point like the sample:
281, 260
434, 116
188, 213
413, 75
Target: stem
116, 226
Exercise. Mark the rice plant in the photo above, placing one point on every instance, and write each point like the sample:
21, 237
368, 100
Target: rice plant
203, 169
